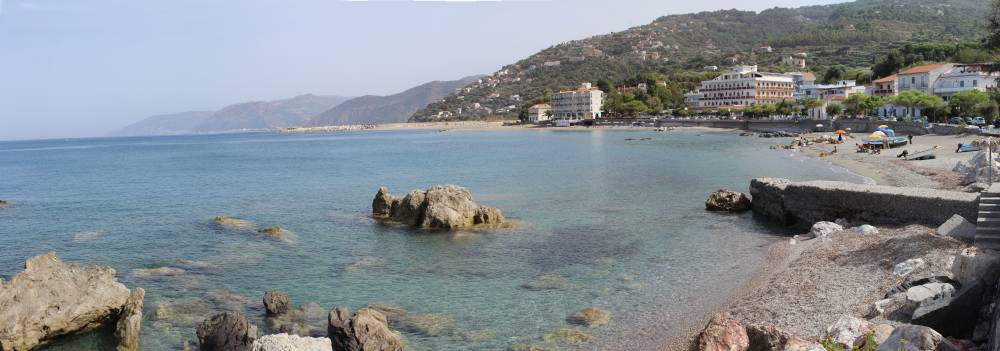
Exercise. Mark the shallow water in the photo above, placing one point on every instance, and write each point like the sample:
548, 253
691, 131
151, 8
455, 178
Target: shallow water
617, 224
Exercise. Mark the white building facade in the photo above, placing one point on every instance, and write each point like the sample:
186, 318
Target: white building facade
539, 113
965, 77
742, 86
583, 103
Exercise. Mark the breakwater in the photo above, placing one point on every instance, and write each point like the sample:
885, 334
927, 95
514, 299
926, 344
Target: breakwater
800, 204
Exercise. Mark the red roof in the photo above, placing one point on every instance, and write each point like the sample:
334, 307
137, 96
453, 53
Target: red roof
886, 79
540, 106
922, 69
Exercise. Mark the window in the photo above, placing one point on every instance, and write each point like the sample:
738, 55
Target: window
961, 84
975, 82
913, 80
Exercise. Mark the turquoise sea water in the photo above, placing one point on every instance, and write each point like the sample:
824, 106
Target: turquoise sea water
620, 224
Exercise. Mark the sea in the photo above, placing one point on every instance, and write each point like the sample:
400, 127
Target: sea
601, 218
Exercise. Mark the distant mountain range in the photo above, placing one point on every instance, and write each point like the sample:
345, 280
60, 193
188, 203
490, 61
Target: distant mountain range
302, 110
394, 108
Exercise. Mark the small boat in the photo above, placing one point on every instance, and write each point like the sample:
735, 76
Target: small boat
885, 136
921, 155
967, 148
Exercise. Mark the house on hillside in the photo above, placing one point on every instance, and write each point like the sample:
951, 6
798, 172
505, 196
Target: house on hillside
797, 60
921, 77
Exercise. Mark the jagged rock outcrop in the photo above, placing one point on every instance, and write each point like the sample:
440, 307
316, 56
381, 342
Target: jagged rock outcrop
915, 338
723, 334
849, 331
366, 330
286, 342
275, 303
727, 200
977, 169
50, 299
227, 331
130, 321
446, 207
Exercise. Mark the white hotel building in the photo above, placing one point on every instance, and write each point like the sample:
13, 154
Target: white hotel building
742, 86
583, 103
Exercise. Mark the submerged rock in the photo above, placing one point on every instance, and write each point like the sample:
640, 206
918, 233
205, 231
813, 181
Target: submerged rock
590, 317
723, 334
276, 232
727, 200
233, 223
275, 303
3, 203
50, 299
286, 342
567, 336
130, 322
446, 207
545, 282
227, 331
156, 272
367, 330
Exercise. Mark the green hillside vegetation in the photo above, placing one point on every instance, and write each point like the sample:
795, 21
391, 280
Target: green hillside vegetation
842, 41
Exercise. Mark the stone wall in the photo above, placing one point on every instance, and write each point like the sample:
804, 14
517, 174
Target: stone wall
801, 204
809, 125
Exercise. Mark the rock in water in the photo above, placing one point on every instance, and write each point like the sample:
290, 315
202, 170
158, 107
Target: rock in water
3, 203
227, 331
727, 200
130, 321
446, 207
285, 342
275, 303
723, 334
590, 317
367, 330
51, 299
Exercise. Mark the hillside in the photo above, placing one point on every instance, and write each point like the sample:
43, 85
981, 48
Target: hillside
285, 113
849, 34
169, 124
389, 109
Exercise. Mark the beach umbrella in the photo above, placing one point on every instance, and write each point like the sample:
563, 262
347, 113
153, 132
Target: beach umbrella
883, 126
819, 126
840, 131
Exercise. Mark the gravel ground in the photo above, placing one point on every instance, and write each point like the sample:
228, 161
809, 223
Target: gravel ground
818, 281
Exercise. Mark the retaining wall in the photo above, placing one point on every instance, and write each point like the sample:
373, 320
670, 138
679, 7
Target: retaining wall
800, 204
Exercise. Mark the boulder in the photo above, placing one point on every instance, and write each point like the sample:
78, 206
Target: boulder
895, 307
976, 169
367, 330
50, 299
767, 338
849, 330
953, 315
227, 331
865, 229
959, 228
275, 303
3, 203
233, 223
441, 207
723, 334
285, 342
821, 230
881, 333
590, 317
130, 322
929, 291
904, 268
972, 264
567, 336
727, 200
915, 338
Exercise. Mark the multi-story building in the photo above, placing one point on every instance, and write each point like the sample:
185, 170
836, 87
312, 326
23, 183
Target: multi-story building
801, 79
884, 86
742, 86
965, 77
829, 93
797, 60
921, 77
539, 113
583, 103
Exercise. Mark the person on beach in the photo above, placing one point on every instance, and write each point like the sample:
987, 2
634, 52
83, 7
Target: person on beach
910, 137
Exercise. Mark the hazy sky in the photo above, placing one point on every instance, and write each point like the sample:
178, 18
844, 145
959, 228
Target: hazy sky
72, 68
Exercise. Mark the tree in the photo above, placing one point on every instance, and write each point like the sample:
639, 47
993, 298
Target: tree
634, 107
888, 64
834, 74
967, 103
834, 110
870, 104
992, 40
811, 104
915, 99
853, 104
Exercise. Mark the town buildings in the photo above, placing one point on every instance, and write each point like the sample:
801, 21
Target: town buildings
965, 77
539, 113
582, 103
742, 86
921, 77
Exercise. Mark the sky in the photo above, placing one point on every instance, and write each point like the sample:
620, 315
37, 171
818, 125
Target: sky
79, 68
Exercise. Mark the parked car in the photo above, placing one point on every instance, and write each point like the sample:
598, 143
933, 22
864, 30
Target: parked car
956, 120
977, 121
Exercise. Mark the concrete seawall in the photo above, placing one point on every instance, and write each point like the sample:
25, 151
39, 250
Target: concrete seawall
800, 204
809, 125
